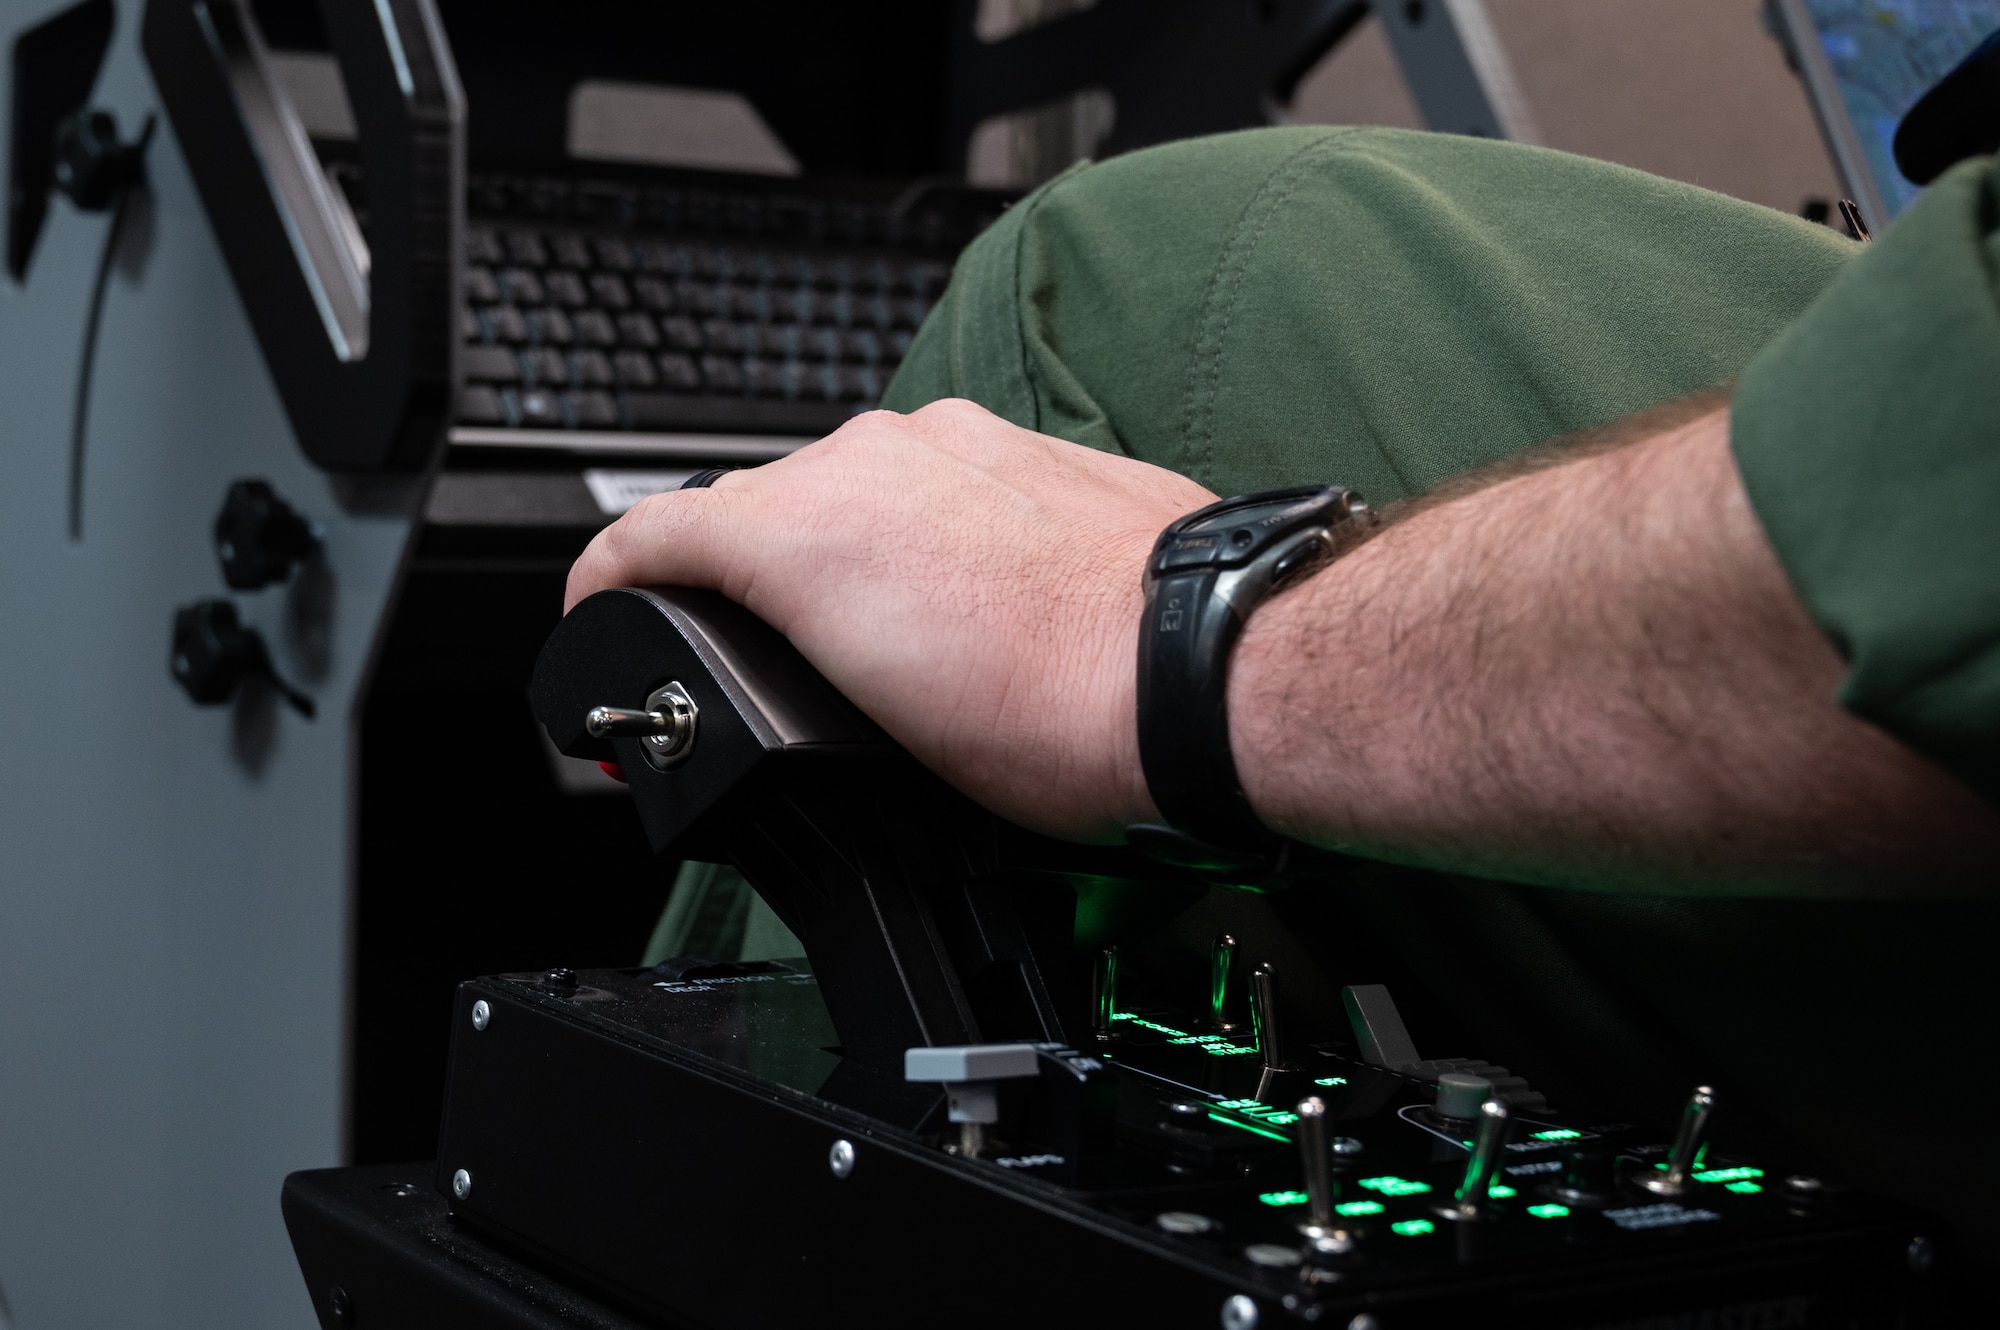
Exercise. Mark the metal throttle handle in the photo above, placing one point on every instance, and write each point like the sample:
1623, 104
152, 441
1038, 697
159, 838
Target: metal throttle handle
1690, 1144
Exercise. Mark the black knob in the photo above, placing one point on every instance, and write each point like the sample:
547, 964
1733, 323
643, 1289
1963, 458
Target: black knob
259, 537
92, 165
214, 653
562, 979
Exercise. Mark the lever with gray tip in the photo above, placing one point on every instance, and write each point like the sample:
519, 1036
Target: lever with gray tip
1690, 1144
1469, 1201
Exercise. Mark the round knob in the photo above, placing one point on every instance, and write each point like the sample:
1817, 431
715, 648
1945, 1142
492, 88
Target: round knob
259, 537
1460, 1094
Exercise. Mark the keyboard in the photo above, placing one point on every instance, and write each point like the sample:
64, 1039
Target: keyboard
603, 310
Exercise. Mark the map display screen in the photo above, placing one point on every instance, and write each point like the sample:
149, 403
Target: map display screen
1885, 54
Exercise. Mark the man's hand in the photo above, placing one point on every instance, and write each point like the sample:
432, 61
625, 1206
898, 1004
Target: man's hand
973, 586
1595, 674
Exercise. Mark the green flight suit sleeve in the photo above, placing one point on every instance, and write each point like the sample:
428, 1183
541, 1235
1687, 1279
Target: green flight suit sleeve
1868, 435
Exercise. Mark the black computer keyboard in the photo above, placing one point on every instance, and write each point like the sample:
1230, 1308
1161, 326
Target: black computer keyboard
682, 302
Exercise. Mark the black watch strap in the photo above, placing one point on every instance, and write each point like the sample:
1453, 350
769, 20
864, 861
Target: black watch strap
1206, 573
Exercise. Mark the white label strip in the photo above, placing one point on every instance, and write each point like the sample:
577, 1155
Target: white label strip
617, 491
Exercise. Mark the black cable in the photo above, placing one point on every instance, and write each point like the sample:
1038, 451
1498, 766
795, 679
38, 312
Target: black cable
80, 416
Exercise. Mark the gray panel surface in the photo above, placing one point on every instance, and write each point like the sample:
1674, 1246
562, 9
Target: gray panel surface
173, 879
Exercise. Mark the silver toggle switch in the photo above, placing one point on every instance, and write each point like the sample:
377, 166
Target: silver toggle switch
1488, 1145
1690, 1144
1224, 1010
1322, 1226
1104, 992
1264, 1010
665, 727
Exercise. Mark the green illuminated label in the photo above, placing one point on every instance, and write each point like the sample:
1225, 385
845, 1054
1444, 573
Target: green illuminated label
1354, 1208
1746, 1188
1556, 1134
1143, 1023
1390, 1185
1548, 1211
1413, 1228
1283, 1197
1743, 1174
1244, 1126
1331, 1080
1500, 1191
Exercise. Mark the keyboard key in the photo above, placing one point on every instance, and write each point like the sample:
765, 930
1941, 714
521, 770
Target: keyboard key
879, 275
550, 327
522, 287
822, 343
592, 369
682, 333
838, 271
899, 344
570, 249
862, 345
877, 310
479, 405
786, 340
539, 406
654, 294
797, 304
635, 370
610, 290
910, 313
526, 247
679, 372
566, 288
752, 303
717, 263
668, 259
483, 246
593, 410
800, 269
722, 335
721, 374
636, 329
835, 307
480, 286
615, 253
593, 326
504, 324
470, 329
708, 299
544, 365
763, 378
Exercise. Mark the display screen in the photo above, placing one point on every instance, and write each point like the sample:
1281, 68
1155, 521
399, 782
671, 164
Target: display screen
1887, 53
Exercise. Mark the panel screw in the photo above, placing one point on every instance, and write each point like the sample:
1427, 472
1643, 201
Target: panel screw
841, 1158
1922, 1255
339, 1307
1239, 1313
481, 1014
562, 979
461, 1184
1184, 1221
1344, 1145
1364, 1322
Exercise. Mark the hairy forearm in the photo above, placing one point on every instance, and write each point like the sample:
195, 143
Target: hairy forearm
1596, 675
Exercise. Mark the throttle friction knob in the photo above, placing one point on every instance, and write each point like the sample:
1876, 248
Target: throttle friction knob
260, 538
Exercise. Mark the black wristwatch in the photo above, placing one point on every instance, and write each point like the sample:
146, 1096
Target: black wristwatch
1206, 573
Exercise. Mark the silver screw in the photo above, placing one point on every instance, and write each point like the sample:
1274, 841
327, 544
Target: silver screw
1364, 1322
1345, 1145
481, 1014
1239, 1313
841, 1158
461, 1184
1184, 1221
